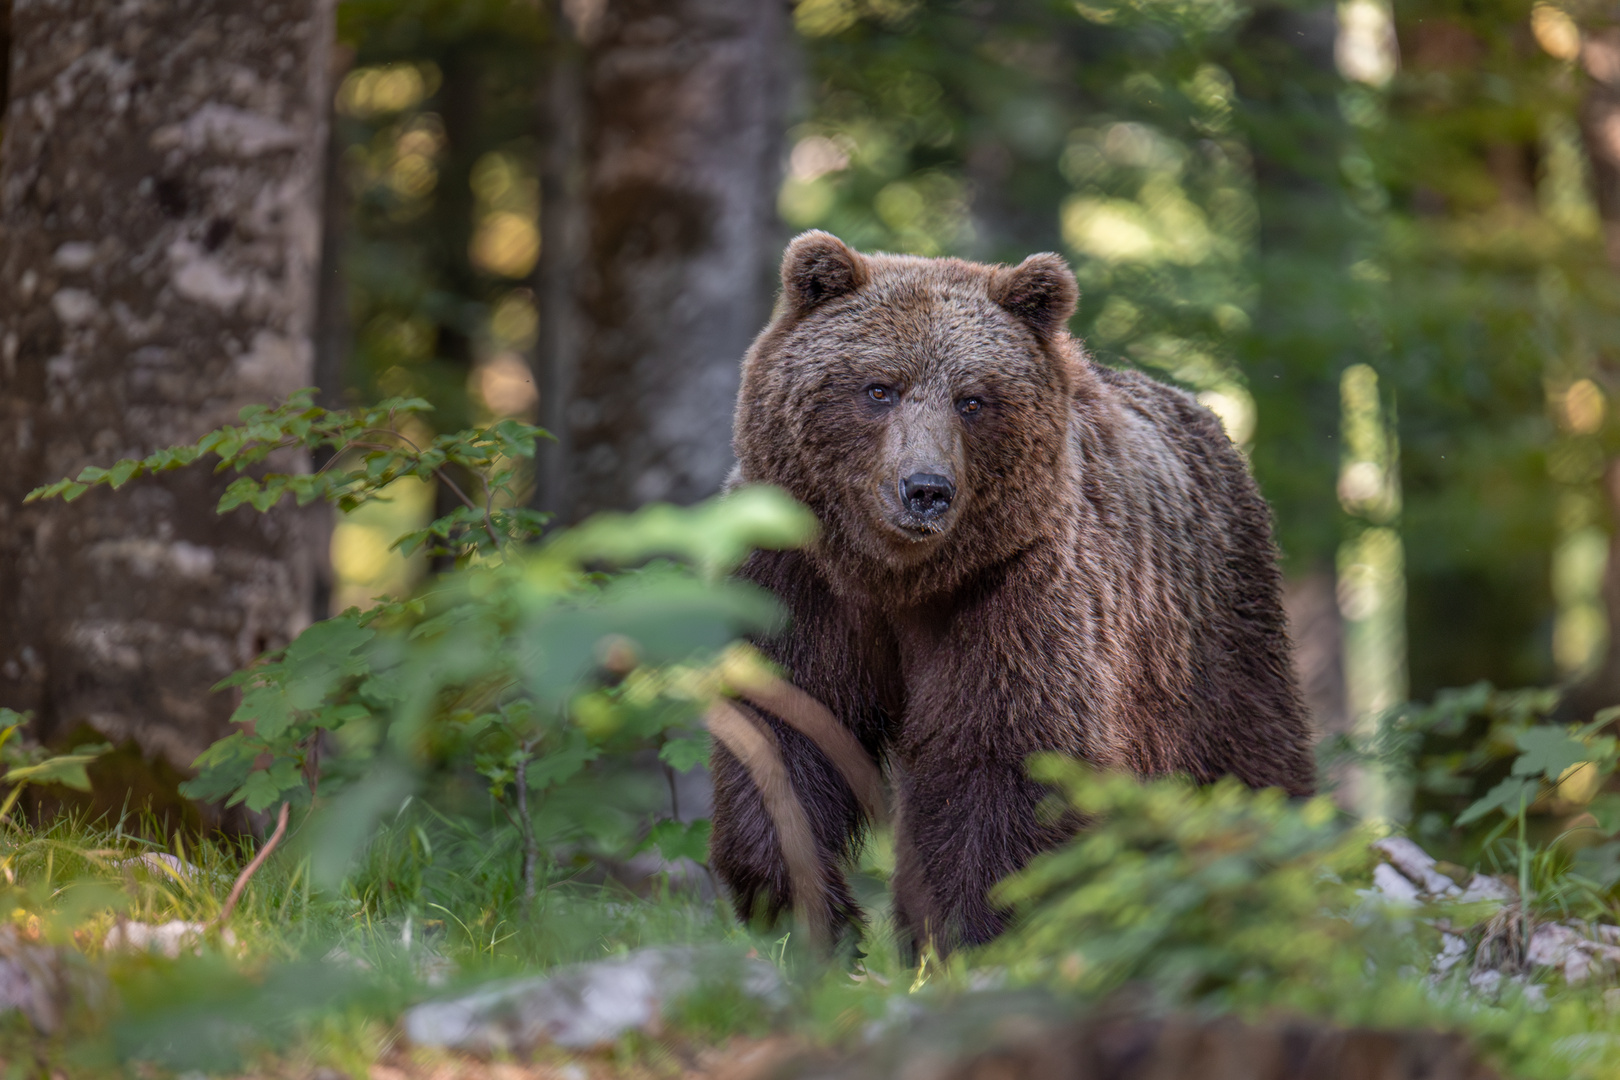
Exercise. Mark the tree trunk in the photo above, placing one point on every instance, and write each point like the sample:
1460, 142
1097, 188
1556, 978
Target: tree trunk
682, 109
558, 130
1600, 133
449, 230
159, 230
5, 59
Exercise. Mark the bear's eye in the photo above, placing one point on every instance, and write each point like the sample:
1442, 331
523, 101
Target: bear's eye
969, 406
880, 393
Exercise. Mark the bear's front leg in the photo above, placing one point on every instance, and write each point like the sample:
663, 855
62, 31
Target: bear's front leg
827, 651
964, 824
985, 691
745, 848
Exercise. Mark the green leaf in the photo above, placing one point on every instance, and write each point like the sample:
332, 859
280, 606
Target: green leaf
51, 491
266, 706
264, 787
239, 491
1606, 808
1600, 864
68, 769
562, 764
684, 752
1507, 797
172, 457
675, 840
222, 768
1548, 751
122, 472
715, 536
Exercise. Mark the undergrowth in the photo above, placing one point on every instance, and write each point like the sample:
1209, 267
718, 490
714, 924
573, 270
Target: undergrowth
476, 775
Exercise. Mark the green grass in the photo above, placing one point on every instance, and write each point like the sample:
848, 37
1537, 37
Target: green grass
315, 979
428, 910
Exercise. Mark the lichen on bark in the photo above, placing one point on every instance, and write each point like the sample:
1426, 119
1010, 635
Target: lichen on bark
682, 109
159, 229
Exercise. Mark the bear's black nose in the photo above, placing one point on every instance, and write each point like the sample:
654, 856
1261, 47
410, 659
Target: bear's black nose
928, 495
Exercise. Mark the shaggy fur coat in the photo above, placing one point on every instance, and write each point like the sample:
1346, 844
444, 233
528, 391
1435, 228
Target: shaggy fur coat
1020, 551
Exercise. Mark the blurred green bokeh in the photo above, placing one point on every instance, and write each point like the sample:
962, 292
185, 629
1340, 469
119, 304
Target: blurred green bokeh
1257, 198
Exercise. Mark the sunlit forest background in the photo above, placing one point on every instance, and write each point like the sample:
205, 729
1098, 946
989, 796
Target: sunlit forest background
1379, 239
1372, 240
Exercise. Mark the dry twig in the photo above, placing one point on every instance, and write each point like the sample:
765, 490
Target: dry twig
253, 867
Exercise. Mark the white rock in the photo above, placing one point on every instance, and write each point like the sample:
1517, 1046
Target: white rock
584, 1006
1416, 865
1565, 947
1550, 943
1483, 887
170, 938
1609, 935
1453, 949
31, 980
161, 862
1394, 885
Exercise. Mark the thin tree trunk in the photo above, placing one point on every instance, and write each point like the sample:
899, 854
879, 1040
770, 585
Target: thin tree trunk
159, 231
1600, 132
450, 229
556, 271
682, 109
333, 332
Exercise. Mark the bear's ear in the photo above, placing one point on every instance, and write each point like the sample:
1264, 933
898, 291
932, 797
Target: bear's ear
1040, 290
816, 267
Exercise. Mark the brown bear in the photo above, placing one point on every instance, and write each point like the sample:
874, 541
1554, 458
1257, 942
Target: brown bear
1020, 551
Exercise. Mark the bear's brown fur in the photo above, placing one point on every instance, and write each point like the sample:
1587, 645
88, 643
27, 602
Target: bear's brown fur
1081, 563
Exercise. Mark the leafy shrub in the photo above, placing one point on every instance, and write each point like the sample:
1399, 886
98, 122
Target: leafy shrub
1214, 895
538, 667
1491, 780
28, 763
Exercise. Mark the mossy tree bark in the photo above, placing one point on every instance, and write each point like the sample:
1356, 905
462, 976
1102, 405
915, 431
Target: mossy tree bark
680, 128
159, 230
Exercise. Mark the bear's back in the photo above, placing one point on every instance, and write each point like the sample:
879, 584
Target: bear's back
1170, 500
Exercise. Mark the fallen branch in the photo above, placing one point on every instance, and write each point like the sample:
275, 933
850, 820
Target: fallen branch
253, 867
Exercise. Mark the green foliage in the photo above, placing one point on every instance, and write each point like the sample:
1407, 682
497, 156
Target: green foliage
1215, 895
494, 668
1466, 763
466, 752
1224, 899
1249, 222
525, 667
31, 764
369, 449
1489, 780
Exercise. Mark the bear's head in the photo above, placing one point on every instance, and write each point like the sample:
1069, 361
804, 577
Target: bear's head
920, 407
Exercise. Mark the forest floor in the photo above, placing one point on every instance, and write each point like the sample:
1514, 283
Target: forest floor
306, 984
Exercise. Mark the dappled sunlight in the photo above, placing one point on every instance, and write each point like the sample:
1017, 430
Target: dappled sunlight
389, 88
506, 240
363, 565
